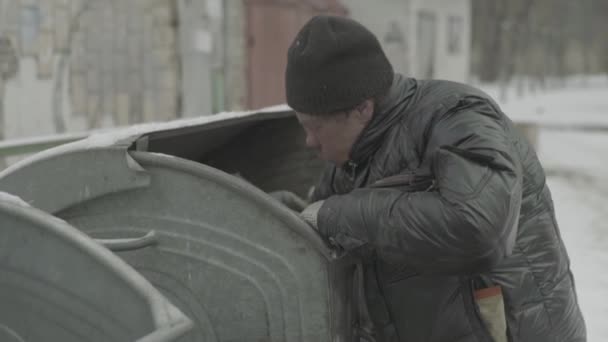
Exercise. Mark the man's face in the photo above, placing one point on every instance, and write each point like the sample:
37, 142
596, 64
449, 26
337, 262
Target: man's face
333, 135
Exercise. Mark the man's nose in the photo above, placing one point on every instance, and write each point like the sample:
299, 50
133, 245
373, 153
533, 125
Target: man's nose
311, 141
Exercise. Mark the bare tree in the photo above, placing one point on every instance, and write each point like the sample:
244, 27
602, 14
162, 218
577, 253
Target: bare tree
517, 39
487, 37
536, 38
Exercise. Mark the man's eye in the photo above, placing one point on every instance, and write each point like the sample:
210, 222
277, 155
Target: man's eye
311, 127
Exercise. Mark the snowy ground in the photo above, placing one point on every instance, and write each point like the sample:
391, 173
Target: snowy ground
577, 166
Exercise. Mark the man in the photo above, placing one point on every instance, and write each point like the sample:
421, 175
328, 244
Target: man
437, 193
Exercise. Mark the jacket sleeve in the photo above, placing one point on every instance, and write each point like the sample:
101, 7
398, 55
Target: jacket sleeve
467, 225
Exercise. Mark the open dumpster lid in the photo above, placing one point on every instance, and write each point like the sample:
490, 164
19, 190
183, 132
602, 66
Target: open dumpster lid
57, 284
265, 147
241, 265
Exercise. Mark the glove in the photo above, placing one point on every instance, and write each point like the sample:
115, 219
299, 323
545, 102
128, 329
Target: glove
310, 214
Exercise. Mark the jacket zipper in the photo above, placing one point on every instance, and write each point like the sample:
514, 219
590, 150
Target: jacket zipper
352, 168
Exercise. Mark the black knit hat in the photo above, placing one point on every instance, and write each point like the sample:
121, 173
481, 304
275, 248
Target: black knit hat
334, 64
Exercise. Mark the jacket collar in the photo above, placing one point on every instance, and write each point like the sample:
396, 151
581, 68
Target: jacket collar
387, 113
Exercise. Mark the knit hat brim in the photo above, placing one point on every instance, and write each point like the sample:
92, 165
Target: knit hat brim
343, 90
335, 64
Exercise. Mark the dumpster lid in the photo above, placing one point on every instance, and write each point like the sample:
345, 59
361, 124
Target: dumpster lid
219, 128
204, 140
59, 284
227, 251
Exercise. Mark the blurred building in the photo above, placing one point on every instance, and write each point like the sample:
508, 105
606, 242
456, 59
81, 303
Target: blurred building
422, 38
258, 34
90, 63
86, 64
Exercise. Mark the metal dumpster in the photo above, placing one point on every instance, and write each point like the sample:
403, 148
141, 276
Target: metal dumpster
57, 284
241, 265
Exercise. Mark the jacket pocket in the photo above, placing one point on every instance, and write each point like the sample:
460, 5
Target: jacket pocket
491, 309
393, 272
429, 308
407, 182
461, 173
533, 323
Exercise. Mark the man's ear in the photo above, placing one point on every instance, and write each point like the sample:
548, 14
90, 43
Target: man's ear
366, 111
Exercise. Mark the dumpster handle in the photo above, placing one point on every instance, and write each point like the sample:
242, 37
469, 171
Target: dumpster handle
129, 244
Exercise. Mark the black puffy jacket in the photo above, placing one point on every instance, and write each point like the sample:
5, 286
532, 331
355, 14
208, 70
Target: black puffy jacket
442, 197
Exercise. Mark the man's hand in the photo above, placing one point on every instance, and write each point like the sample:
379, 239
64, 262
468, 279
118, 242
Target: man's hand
310, 213
289, 199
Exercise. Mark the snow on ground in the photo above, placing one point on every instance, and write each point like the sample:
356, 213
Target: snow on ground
576, 163
581, 101
581, 214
